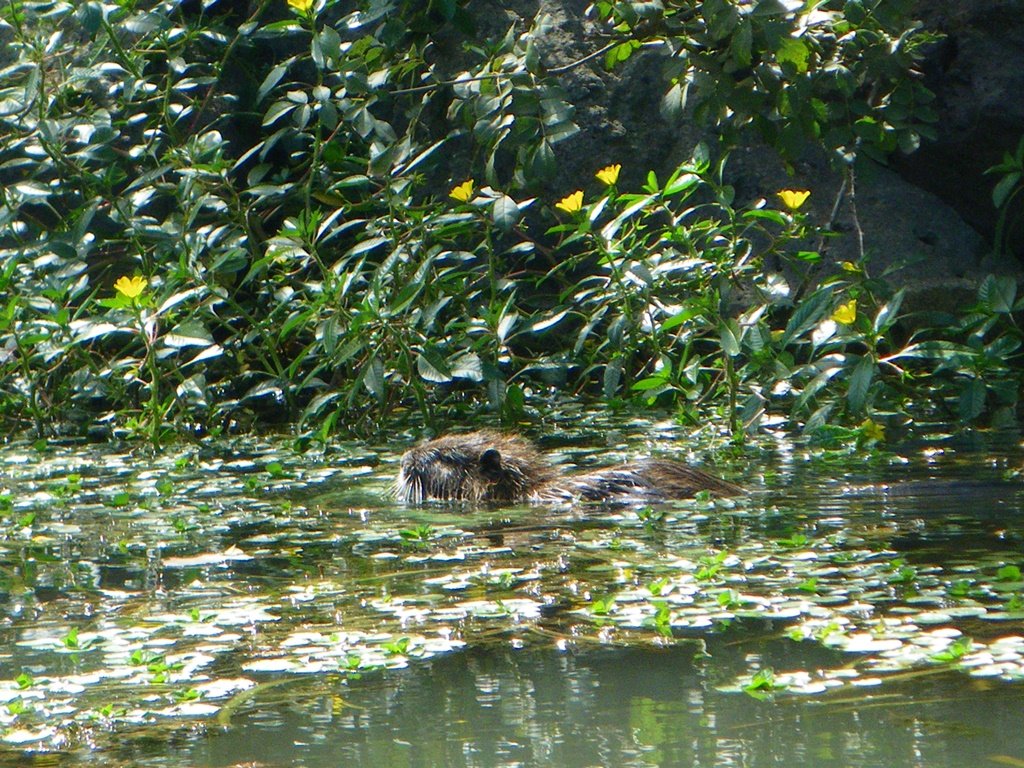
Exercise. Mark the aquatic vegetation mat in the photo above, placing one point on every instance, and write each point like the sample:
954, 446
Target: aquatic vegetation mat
142, 592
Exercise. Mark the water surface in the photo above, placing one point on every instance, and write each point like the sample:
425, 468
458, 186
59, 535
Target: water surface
239, 603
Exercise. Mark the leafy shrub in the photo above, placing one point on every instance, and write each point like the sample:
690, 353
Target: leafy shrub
213, 217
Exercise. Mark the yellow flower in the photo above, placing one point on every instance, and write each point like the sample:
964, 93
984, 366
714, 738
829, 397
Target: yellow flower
793, 198
846, 313
130, 287
609, 175
849, 266
869, 430
463, 192
302, 6
571, 203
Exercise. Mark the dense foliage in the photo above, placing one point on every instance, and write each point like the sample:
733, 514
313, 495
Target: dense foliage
304, 211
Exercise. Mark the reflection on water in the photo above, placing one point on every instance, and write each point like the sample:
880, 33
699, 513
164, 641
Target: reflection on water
607, 708
218, 610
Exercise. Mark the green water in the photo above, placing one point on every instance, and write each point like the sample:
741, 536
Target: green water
242, 604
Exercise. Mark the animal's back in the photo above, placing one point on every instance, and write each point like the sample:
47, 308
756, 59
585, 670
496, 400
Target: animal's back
486, 466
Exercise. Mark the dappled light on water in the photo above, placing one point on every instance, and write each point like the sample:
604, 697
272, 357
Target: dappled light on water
242, 602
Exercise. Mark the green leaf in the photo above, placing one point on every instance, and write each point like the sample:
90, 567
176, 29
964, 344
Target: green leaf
742, 40
467, 366
933, 350
278, 110
90, 17
807, 315
1008, 573
729, 332
775, 217
506, 325
793, 51
998, 293
273, 78
681, 183
972, 399
809, 257
373, 378
612, 378
505, 213
330, 43
431, 366
210, 352
651, 382
366, 246
1004, 188
190, 333
889, 313
673, 103
542, 163
679, 318
611, 228
549, 322
620, 53
812, 388
860, 384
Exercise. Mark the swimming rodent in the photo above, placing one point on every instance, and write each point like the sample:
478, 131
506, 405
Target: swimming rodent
488, 466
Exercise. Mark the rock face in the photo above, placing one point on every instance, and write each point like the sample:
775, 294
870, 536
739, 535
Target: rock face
931, 211
977, 72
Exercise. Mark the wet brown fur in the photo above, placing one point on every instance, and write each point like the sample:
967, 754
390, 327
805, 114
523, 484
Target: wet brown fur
488, 466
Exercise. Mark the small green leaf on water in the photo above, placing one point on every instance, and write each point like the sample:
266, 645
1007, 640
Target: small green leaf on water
954, 652
808, 585
906, 574
419, 533
397, 647
795, 541
70, 640
1008, 573
829, 629
601, 606
663, 619
728, 598
657, 587
181, 525
17, 707
959, 588
707, 572
650, 515
762, 684
24, 680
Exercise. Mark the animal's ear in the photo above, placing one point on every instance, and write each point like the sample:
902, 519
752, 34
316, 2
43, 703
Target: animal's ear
490, 464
